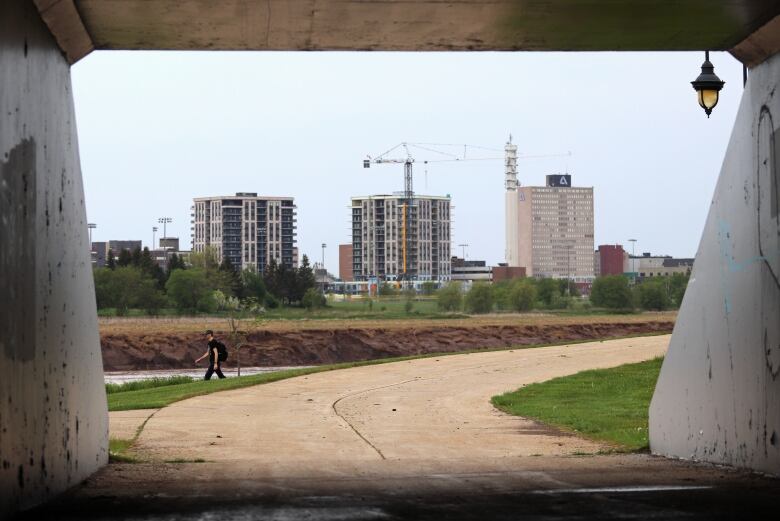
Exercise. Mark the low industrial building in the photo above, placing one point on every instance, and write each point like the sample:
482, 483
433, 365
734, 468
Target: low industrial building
470, 271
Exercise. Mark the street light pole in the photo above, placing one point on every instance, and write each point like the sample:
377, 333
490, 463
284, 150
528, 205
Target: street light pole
91, 226
324, 271
464, 246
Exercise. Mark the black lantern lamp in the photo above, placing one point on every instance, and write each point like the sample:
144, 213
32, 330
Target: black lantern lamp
707, 85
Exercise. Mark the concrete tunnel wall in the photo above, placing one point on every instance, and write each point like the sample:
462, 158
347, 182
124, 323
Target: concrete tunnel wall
53, 417
718, 395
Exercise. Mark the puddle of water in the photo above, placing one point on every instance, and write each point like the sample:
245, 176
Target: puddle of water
118, 377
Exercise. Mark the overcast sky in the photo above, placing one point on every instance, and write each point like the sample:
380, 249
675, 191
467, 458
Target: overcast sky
159, 128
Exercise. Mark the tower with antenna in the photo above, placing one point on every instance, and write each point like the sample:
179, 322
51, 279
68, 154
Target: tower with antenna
511, 252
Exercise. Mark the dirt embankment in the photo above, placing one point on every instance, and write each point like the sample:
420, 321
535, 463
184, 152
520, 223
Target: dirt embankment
127, 351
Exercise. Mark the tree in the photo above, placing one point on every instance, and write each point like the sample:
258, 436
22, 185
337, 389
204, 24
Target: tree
127, 288
150, 267
522, 295
237, 340
125, 258
450, 297
549, 291
611, 291
229, 275
207, 260
175, 262
253, 285
135, 257
110, 260
678, 283
271, 278
479, 298
653, 295
305, 280
189, 290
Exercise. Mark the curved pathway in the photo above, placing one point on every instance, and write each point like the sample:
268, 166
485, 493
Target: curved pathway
432, 410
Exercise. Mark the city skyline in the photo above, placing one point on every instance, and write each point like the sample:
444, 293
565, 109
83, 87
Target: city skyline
299, 125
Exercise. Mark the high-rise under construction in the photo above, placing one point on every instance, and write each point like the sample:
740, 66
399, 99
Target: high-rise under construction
389, 244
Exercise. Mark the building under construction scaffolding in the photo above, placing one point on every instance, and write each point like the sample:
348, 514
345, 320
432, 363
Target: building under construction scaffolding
390, 244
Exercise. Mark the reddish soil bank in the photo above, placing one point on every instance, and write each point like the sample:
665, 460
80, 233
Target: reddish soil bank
126, 352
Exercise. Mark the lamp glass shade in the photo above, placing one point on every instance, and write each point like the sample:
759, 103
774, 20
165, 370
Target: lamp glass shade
708, 98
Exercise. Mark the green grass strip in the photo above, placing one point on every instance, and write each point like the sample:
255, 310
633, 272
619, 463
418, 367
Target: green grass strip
147, 383
156, 397
117, 450
603, 404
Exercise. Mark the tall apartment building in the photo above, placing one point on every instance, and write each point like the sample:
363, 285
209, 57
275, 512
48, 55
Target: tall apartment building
248, 229
549, 229
378, 243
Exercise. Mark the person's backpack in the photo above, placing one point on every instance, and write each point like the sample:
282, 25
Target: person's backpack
222, 352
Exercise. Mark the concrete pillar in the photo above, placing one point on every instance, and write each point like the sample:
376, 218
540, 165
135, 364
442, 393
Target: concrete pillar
718, 396
53, 419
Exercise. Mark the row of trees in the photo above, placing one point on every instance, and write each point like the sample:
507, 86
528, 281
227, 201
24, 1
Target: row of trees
611, 292
204, 284
656, 294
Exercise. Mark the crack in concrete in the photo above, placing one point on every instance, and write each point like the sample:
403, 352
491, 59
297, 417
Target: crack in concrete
363, 391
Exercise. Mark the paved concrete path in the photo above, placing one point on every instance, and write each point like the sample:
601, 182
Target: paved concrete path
413, 440
433, 409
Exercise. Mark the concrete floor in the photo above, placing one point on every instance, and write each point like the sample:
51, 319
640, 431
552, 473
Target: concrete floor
409, 440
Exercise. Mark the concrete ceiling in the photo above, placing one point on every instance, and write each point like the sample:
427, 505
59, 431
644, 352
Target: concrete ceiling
407, 25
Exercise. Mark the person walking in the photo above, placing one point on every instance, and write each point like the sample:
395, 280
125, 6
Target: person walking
217, 353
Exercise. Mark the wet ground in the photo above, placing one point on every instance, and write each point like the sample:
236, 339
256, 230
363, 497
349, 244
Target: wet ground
119, 377
543, 488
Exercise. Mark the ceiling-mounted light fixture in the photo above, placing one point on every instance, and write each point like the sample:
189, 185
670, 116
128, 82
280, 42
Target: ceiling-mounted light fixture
707, 85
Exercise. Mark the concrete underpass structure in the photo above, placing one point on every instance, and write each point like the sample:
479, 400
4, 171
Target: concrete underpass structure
718, 394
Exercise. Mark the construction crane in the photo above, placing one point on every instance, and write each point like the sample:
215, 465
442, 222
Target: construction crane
408, 199
407, 240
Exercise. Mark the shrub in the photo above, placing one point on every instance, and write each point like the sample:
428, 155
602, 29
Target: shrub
225, 303
549, 290
479, 299
313, 299
387, 290
428, 287
611, 291
450, 297
189, 290
653, 296
522, 296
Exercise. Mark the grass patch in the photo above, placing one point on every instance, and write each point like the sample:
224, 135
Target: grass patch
147, 384
157, 397
117, 451
604, 404
183, 460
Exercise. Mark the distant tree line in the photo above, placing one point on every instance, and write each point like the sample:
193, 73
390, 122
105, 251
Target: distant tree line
204, 284
612, 292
